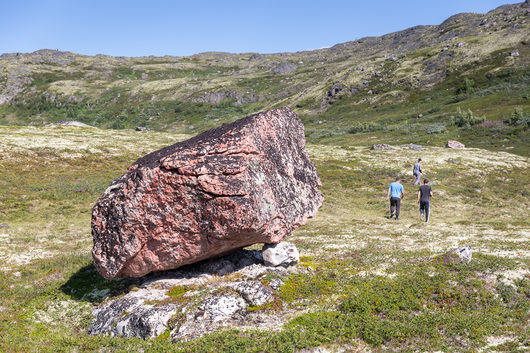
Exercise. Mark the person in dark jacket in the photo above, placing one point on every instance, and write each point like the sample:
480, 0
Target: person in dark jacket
424, 199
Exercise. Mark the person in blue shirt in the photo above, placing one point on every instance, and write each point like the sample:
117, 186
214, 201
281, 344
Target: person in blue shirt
395, 193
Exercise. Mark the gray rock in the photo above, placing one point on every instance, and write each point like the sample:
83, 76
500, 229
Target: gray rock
130, 316
220, 307
210, 97
141, 128
284, 254
276, 283
412, 146
68, 123
212, 314
4, 225
461, 254
254, 292
383, 146
146, 321
284, 67
514, 53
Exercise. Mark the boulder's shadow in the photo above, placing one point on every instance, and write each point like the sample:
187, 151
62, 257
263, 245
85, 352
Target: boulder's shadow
89, 286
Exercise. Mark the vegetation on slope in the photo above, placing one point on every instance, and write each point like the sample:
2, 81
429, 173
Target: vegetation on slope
375, 84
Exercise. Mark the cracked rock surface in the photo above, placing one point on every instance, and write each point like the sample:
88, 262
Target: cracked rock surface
239, 184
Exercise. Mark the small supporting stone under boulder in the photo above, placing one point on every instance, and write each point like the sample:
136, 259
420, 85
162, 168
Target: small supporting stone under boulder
239, 184
282, 254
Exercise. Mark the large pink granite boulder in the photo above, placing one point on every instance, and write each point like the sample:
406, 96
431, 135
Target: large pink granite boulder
239, 184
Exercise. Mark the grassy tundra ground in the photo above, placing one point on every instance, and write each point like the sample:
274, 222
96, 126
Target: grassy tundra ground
373, 284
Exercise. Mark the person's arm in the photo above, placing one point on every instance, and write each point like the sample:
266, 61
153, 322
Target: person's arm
388, 194
403, 194
419, 196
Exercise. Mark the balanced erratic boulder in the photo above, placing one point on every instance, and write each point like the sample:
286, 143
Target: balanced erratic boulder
243, 183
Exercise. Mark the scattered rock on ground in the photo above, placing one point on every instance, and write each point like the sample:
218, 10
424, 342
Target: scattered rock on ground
383, 146
412, 146
142, 128
68, 123
239, 184
461, 254
254, 292
284, 67
282, 254
454, 144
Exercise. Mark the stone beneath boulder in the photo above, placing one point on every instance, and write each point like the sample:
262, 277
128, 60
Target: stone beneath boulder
191, 301
239, 184
454, 144
282, 254
383, 146
141, 319
461, 254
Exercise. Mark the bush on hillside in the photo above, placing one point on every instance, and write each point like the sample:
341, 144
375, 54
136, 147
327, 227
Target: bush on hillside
468, 86
466, 118
436, 128
519, 118
364, 127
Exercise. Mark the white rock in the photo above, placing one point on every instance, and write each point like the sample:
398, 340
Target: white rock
283, 253
460, 254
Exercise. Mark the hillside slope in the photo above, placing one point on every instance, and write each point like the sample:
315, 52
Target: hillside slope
377, 85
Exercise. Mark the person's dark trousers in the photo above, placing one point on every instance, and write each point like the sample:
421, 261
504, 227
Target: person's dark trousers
424, 209
395, 202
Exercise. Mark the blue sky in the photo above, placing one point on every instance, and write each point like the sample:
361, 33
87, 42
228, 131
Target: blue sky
158, 27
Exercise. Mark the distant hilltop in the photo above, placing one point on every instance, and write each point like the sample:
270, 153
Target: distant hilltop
206, 89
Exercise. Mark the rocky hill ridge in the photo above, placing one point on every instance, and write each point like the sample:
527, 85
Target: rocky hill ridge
141, 90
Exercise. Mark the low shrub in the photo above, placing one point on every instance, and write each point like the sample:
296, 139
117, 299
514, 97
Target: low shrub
519, 118
436, 128
466, 118
364, 127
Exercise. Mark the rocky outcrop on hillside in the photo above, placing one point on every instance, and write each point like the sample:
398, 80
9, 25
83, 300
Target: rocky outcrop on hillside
369, 68
242, 183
